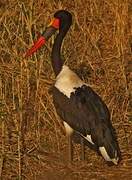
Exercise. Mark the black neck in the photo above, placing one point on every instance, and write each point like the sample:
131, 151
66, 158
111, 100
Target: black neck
57, 62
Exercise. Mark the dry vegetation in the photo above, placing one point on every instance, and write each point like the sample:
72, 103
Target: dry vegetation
99, 48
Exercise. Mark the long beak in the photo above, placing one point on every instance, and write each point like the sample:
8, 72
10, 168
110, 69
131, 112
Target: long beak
50, 30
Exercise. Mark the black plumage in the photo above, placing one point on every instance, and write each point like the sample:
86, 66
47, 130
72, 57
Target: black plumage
87, 114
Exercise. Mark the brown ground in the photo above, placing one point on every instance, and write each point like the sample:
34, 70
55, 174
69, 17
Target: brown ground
99, 48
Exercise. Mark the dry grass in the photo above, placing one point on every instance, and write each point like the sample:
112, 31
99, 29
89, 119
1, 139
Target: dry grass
99, 48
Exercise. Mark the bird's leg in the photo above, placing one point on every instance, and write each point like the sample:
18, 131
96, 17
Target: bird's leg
82, 149
70, 148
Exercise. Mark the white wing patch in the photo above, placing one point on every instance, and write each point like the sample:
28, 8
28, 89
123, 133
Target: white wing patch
88, 137
104, 153
106, 156
67, 81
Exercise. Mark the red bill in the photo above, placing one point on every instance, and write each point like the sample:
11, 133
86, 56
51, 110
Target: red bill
50, 30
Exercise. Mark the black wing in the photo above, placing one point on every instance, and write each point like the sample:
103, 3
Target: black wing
83, 107
87, 114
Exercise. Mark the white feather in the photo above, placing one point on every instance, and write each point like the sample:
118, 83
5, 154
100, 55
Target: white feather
88, 137
104, 153
68, 128
67, 81
106, 156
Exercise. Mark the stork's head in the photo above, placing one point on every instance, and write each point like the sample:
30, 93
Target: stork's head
62, 20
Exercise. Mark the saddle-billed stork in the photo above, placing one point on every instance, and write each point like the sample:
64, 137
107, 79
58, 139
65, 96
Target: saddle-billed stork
81, 109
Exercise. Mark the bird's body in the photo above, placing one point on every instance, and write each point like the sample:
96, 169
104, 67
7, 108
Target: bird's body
80, 108
83, 111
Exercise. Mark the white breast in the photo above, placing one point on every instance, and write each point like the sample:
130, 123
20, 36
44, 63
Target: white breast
67, 81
